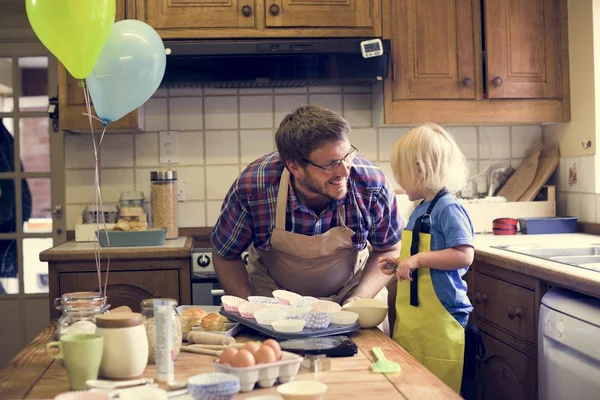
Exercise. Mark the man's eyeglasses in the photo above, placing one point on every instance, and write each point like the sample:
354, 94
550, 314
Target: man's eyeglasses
334, 164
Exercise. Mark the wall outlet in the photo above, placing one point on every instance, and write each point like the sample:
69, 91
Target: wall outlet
181, 191
168, 147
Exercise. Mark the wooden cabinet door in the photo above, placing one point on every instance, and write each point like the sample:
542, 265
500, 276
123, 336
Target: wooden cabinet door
71, 106
125, 288
522, 46
434, 49
319, 13
506, 373
197, 14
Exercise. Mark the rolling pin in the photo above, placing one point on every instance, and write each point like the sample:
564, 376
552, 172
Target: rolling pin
190, 349
198, 337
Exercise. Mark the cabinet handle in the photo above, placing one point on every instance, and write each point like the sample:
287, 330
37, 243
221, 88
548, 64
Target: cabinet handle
217, 292
515, 312
467, 82
484, 298
247, 11
274, 10
497, 81
477, 297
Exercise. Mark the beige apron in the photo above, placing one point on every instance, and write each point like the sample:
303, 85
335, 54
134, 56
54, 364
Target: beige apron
324, 266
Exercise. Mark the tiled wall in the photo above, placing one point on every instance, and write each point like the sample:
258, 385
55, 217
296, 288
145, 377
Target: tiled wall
222, 130
577, 188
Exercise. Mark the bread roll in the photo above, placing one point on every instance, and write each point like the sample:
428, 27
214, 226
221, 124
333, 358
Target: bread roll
191, 317
213, 322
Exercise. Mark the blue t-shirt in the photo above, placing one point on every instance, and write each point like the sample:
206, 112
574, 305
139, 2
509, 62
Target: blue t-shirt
450, 227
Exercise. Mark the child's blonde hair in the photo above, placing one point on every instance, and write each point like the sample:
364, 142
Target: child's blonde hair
428, 155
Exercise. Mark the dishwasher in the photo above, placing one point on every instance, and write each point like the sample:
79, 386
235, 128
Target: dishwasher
569, 352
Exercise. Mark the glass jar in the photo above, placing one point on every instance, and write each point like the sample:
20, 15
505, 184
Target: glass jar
148, 315
164, 202
78, 312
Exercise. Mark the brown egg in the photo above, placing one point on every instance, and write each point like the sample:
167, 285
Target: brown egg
243, 359
227, 355
252, 347
265, 355
275, 346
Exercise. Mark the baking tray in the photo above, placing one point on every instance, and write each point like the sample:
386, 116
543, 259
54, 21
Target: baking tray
331, 330
232, 328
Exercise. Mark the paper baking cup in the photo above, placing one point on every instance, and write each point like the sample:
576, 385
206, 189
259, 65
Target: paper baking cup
286, 297
298, 312
247, 310
326, 306
318, 320
266, 316
263, 299
288, 325
344, 318
305, 301
232, 303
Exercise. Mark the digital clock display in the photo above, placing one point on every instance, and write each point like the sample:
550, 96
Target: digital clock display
372, 47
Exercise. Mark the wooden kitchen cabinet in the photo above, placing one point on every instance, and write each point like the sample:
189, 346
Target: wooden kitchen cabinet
506, 308
71, 100
477, 61
175, 19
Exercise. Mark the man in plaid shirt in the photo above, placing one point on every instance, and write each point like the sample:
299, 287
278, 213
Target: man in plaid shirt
315, 216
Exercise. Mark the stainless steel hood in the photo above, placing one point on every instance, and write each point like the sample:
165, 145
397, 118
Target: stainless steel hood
272, 63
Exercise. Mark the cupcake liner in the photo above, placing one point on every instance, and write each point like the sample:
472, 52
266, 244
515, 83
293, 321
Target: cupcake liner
305, 301
286, 297
232, 303
344, 318
288, 325
247, 310
318, 320
266, 316
326, 306
263, 299
298, 312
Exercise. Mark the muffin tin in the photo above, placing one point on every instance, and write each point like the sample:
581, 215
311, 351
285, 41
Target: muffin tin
265, 375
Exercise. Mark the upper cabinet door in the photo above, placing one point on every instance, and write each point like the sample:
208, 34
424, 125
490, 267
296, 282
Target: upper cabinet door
197, 14
434, 49
319, 13
522, 43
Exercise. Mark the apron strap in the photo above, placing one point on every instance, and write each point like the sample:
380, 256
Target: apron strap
422, 225
282, 196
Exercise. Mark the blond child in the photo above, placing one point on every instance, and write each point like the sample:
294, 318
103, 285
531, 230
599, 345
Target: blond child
432, 307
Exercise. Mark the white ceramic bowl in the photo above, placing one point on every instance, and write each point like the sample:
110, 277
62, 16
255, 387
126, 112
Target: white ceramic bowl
371, 312
302, 390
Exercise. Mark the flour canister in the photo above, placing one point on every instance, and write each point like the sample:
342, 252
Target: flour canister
125, 352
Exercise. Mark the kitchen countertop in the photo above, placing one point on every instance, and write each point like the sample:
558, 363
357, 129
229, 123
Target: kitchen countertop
570, 277
80, 251
33, 375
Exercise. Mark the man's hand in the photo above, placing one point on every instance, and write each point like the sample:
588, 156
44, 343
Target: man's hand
387, 265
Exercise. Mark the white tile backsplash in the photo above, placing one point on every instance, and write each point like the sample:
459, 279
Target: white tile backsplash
588, 208
222, 130
587, 174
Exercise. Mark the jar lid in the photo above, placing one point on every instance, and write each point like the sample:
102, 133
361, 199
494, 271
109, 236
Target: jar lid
163, 175
119, 320
80, 301
149, 303
132, 195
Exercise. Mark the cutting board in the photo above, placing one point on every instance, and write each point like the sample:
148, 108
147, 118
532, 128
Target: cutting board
548, 161
523, 177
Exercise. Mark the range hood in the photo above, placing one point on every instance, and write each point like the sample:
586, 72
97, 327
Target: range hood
272, 63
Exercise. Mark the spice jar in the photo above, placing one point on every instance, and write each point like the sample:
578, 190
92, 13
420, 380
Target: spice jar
79, 311
149, 323
125, 353
164, 202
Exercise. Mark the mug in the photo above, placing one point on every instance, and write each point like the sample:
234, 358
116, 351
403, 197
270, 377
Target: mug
82, 355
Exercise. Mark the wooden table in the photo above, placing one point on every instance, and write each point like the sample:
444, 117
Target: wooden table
32, 375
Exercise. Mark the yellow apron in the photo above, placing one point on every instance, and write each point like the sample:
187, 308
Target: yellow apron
423, 326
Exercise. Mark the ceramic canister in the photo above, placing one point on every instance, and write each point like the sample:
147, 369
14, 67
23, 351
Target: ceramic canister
125, 345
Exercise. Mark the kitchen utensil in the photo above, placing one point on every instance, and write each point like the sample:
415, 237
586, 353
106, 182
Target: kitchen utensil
332, 346
199, 350
111, 385
521, 180
548, 162
383, 365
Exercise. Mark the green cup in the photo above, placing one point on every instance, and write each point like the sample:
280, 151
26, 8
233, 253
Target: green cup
82, 355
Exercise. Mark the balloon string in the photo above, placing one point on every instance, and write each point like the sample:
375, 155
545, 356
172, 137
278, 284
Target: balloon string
97, 205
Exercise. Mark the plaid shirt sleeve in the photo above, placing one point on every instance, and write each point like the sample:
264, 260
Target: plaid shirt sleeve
387, 226
232, 233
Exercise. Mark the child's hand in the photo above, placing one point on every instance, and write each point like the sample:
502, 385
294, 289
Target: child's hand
387, 265
406, 267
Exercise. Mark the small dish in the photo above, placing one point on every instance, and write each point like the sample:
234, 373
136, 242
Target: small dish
302, 390
371, 312
344, 318
82, 395
288, 325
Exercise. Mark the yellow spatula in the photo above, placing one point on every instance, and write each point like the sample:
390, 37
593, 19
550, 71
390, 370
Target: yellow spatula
383, 365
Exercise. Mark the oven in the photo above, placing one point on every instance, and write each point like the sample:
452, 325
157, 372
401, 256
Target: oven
206, 289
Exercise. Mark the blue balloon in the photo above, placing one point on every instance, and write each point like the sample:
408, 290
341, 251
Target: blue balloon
129, 69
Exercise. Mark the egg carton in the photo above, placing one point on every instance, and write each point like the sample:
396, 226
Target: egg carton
265, 375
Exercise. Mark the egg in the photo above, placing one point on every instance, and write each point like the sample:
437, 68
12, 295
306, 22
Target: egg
252, 347
275, 346
243, 359
227, 355
265, 355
